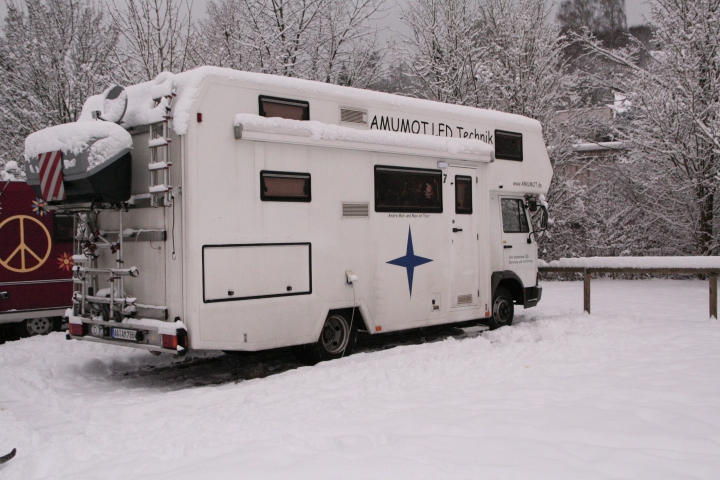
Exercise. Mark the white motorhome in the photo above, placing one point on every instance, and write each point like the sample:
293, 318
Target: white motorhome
226, 210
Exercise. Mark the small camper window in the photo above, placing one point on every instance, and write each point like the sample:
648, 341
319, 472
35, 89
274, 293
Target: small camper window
508, 146
463, 194
284, 186
63, 228
284, 108
413, 190
513, 216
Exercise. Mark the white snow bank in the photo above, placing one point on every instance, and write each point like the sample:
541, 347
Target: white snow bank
102, 140
631, 391
323, 131
186, 86
634, 262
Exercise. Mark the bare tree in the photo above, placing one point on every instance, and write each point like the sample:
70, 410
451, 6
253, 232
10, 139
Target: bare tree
54, 53
443, 51
325, 40
599, 16
155, 36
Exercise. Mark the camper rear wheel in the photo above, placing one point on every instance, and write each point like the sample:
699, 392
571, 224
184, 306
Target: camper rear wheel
503, 309
337, 338
36, 326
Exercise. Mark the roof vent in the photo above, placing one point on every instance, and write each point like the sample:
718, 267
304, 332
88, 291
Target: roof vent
356, 117
356, 210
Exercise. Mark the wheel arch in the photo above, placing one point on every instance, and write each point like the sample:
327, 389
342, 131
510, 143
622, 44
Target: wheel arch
510, 281
357, 319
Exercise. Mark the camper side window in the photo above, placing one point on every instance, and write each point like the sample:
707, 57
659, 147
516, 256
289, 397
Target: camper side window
463, 194
508, 146
284, 108
284, 186
413, 190
513, 216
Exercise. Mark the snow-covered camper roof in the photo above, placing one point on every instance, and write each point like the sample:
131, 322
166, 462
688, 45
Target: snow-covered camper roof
186, 86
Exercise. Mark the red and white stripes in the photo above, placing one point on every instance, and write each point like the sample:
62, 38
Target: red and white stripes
51, 176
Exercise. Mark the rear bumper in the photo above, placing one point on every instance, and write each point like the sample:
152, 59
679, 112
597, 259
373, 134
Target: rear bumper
532, 296
120, 343
145, 334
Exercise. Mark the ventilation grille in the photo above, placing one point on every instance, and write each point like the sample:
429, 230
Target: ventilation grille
463, 299
348, 115
355, 210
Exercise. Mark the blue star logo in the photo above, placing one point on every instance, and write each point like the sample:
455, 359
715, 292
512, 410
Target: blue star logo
410, 261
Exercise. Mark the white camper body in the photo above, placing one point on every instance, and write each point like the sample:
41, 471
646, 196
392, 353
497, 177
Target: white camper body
404, 209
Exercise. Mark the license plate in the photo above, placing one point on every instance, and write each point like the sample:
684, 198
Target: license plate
124, 334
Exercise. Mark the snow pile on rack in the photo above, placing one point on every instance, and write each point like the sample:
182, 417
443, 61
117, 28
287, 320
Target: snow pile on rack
163, 328
634, 262
323, 131
632, 391
141, 108
102, 140
186, 87
11, 172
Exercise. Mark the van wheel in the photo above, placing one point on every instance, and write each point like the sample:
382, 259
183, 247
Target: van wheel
337, 338
502, 309
36, 326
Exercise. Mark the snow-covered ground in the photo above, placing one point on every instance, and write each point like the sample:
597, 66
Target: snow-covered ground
632, 391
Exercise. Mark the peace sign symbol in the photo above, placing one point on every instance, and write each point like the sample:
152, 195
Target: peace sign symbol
25, 252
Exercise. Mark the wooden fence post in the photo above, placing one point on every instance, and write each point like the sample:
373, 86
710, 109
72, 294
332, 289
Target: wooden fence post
586, 289
712, 278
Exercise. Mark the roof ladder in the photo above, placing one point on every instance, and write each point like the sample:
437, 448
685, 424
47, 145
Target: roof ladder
159, 144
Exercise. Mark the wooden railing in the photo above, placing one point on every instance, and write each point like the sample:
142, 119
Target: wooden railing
711, 273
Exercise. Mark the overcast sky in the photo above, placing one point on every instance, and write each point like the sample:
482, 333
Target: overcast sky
390, 21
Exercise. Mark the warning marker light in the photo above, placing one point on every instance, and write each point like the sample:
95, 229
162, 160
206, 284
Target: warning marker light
76, 329
169, 341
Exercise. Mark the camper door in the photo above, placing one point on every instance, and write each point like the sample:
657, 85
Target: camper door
519, 253
461, 195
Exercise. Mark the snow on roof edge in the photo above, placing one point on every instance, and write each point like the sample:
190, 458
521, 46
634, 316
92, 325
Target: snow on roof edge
187, 85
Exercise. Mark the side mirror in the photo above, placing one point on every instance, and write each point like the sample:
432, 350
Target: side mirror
544, 218
532, 204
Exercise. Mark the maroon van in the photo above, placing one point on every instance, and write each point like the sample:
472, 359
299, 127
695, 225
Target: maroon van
35, 263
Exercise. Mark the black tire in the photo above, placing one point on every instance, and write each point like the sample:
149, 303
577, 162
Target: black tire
337, 339
503, 309
36, 326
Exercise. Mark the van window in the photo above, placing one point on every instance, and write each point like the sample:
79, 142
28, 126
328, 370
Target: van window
63, 228
284, 108
415, 190
513, 216
463, 194
284, 186
508, 146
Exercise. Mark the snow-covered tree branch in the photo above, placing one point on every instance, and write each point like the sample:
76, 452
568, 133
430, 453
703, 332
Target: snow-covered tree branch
674, 123
155, 36
54, 53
